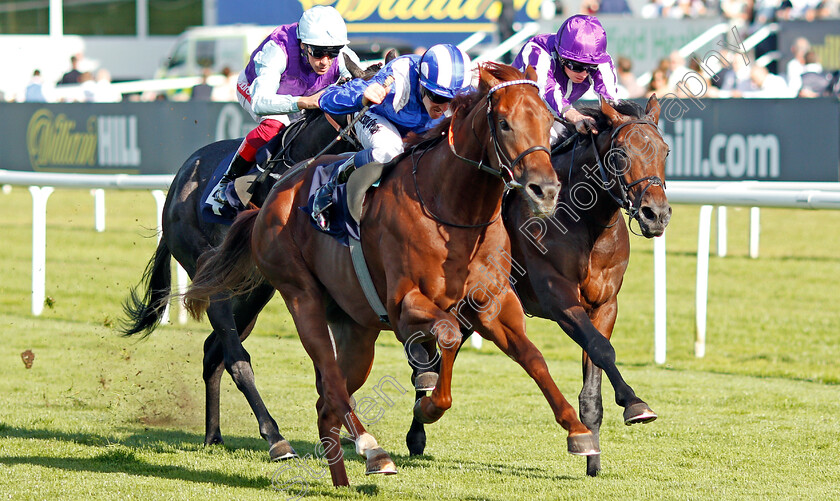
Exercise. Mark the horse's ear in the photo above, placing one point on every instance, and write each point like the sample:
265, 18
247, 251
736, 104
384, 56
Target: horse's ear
352, 67
390, 55
486, 79
614, 117
652, 109
531, 73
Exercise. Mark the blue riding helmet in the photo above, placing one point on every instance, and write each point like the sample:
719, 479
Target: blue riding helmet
445, 70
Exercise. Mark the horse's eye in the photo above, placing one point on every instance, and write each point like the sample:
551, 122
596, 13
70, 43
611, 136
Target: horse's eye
503, 124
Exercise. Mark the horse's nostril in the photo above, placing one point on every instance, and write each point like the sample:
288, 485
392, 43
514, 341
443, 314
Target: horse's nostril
536, 190
648, 213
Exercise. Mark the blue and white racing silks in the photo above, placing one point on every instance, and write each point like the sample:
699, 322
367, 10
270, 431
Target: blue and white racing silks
445, 70
402, 106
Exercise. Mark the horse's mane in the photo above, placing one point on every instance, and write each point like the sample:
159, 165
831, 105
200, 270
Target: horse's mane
467, 100
627, 108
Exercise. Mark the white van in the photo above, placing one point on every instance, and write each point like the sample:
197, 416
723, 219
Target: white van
214, 47
219, 46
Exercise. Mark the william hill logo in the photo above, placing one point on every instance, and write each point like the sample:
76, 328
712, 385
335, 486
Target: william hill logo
56, 141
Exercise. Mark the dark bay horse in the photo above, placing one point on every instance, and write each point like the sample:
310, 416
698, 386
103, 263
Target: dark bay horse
186, 236
574, 262
431, 234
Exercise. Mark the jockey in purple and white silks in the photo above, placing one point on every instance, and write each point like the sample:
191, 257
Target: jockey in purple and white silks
568, 63
286, 73
409, 94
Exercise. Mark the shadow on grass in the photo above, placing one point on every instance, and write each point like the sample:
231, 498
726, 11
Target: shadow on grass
124, 461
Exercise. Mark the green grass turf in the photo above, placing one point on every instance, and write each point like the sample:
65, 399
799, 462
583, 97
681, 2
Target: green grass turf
99, 416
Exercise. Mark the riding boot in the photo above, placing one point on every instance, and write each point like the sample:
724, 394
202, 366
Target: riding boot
324, 196
238, 166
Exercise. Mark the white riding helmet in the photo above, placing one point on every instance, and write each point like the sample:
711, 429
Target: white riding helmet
322, 26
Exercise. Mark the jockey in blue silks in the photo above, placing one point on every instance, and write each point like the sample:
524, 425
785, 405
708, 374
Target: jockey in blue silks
409, 94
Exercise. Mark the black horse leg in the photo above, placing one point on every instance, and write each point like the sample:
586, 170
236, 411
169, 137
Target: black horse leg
213, 369
591, 409
423, 359
580, 328
237, 361
423, 355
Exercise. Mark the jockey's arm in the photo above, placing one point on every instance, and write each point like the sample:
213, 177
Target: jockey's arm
350, 97
269, 65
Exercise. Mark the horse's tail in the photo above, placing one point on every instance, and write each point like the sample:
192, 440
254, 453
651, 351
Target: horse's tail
226, 269
145, 313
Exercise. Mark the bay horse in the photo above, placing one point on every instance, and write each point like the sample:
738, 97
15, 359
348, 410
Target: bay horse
430, 234
574, 261
185, 236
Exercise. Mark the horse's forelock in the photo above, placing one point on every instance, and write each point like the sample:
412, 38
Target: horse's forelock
627, 108
463, 101
503, 72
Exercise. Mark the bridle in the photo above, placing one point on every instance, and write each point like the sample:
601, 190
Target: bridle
506, 165
624, 200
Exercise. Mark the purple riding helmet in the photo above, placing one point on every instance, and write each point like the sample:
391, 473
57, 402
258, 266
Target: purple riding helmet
582, 39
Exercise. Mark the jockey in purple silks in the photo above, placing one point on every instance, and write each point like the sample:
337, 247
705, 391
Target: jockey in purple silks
286, 74
568, 64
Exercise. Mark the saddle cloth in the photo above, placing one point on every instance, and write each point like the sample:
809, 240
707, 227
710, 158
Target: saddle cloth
342, 224
236, 192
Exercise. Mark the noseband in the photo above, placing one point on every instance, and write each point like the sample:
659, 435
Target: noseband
624, 201
506, 166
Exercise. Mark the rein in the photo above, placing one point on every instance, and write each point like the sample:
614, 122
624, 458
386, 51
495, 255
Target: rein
505, 171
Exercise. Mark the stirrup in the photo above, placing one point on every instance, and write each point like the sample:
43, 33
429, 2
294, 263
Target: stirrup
321, 220
218, 194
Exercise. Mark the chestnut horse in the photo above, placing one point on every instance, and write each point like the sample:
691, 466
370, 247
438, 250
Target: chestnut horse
430, 233
574, 261
186, 236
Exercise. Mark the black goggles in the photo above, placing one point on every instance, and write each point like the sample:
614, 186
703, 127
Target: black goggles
579, 67
436, 98
320, 52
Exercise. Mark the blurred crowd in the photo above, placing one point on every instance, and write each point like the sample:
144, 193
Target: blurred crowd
741, 12
689, 77
84, 82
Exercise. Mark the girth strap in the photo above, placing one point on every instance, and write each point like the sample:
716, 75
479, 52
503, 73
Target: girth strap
363, 274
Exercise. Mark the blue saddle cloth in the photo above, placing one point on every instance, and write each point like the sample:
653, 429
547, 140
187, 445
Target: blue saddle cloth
228, 213
342, 225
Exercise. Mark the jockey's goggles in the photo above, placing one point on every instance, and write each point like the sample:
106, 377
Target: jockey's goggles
436, 98
320, 52
578, 67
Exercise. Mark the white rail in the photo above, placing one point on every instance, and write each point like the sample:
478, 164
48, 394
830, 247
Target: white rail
752, 194
41, 185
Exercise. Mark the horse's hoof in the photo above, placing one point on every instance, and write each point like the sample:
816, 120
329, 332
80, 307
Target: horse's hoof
583, 445
379, 463
426, 381
420, 415
638, 413
214, 440
282, 450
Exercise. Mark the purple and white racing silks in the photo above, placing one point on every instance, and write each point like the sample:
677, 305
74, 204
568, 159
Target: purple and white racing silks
556, 89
